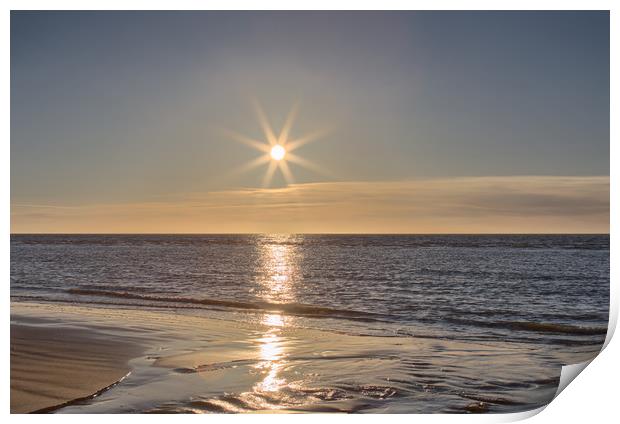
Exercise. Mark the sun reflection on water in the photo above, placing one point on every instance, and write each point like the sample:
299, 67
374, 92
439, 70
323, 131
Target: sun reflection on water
271, 354
279, 268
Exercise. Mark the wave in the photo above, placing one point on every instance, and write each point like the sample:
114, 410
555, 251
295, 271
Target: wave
558, 328
285, 308
538, 327
315, 311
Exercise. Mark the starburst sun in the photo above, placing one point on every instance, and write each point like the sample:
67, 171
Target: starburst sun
277, 150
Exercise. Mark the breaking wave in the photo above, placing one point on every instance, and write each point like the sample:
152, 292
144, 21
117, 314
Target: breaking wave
285, 308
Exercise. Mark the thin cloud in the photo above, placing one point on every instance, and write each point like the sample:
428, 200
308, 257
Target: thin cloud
521, 204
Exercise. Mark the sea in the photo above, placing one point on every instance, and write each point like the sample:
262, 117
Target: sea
547, 294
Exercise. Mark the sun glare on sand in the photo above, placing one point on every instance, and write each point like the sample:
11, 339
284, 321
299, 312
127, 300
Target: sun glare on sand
277, 150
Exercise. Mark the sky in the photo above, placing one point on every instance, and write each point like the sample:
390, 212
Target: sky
415, 122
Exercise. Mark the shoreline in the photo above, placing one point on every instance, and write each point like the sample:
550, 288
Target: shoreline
193, 364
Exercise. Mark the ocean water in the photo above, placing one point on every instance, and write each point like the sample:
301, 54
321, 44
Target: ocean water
545, 296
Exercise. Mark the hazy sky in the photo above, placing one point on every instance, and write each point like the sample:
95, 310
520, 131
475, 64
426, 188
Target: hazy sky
437, 121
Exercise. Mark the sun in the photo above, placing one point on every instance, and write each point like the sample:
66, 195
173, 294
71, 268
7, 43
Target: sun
277, 149
277, 152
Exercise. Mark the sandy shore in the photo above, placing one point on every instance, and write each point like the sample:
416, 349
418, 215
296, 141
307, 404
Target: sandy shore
52, 363
192, 364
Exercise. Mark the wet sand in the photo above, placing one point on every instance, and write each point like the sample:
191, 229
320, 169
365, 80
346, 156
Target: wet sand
52, 364
191, 364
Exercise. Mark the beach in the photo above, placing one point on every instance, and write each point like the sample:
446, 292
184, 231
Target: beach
75, 359
52, 363
301, 323
306, 211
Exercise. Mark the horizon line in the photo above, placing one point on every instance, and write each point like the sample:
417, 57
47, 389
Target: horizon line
318, 233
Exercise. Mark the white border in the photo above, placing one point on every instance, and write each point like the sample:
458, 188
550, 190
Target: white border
593, 397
